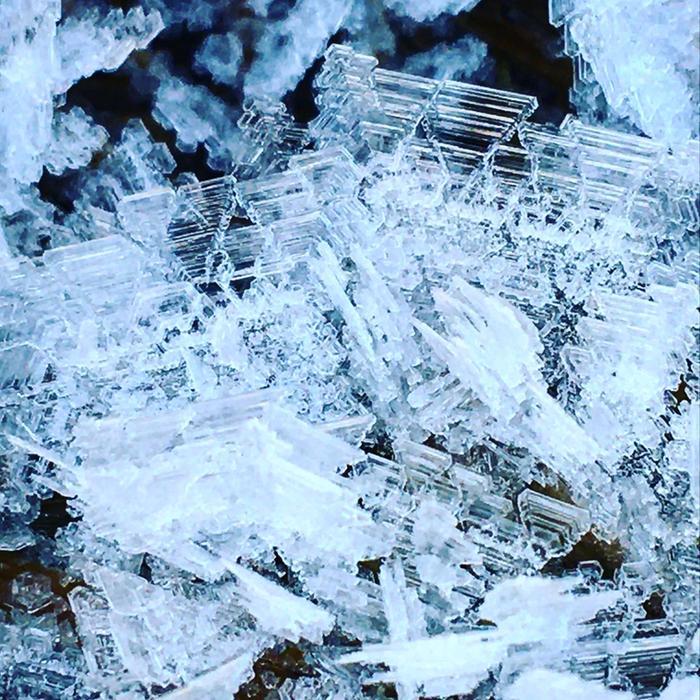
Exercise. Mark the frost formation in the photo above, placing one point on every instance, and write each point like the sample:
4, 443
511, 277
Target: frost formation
405, 404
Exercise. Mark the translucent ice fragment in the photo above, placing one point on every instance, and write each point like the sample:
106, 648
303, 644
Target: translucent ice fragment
559, 684
27, 63
643, 58
443, 665
401, 605
221, 55
221, 467
480, 327
199, 218
195, 114
91, 42
280, 612
145, 216
529, 609
525, 610
107, 270
158, 635
681, 689
289, 46
439, 550
346, 95
376, 318
457, 61
21, 366
372, 110
628, 356
135, 164
556, 523
612, 166
218, 684
272, 137
75, 139
430, 9
468, 122
554, 157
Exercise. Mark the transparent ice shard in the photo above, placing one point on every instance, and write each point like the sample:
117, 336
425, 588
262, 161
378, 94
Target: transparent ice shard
83, 268
642, 62
637, 358
602, 167
402, 101
369, 108
221, 56
145, 216
267, 445
136, 163
156, 635
219, 683
510, 384
466, 122
511, 168
277, 197
278, 611
611, 165
91, 42
540, 609
555, 523
287, 47
453, 663
648, 659
76, 138
177, 305
198, 219
345, 93
454, 61
272, 137
684, 451
442, 665
213, 419
376, 320
229, 228
565, 684
196, 116
430, 9
402, 607
22, 366
555, 165
432, 471
27, 62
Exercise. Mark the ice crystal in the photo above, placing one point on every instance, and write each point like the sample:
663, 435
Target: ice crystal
641, 59
405, 396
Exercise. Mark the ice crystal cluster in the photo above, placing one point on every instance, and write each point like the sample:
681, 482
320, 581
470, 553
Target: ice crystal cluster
405, 404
